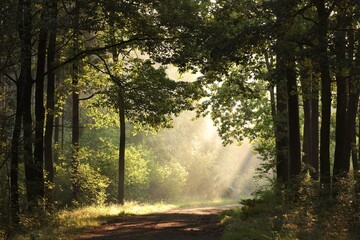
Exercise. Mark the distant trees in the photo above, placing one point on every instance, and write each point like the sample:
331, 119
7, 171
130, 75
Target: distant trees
263, 65
146, 97
60, 34
283, 44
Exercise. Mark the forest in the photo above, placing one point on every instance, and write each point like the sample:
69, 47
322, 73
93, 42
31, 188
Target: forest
131, 102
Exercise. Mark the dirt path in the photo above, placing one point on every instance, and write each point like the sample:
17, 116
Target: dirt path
195, 223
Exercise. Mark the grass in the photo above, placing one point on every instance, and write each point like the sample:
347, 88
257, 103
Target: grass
207, 203
71, 223
310, 215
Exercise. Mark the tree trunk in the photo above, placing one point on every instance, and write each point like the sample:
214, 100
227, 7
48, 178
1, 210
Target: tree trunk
314, 148
353, 102
14, 167
323, 60
40, 110
311, 123
307, 102
20, 86
75, 107
281, 126
121, 183
56, 138
50, 105
342, 159
25, 38
293, 119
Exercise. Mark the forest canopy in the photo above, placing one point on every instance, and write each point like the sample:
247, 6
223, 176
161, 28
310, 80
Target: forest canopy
85, 86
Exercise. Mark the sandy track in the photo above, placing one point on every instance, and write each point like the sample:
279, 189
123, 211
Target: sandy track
193, 223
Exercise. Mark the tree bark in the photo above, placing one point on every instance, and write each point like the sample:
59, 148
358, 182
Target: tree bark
25, 38
353, 102
281, 126
121, 183
40, 110
75, 108
50, 104
314, 148
311, 123
342, 159
323, 60
20, 86
307, 129
293, 119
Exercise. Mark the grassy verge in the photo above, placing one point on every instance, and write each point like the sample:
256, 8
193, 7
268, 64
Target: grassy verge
208, 203
69, 224
310, 215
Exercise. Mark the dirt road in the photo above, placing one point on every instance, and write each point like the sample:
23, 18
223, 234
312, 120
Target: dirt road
195, 223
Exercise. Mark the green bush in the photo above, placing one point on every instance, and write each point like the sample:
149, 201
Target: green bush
137, 172
92, 185
167, 181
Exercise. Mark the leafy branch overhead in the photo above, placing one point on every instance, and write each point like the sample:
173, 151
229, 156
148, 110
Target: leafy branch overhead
151, 98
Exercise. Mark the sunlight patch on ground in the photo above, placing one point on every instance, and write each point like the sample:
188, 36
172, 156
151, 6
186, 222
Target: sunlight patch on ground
91, 216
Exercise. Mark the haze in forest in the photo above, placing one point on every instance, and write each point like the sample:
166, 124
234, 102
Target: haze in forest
232, 168
192, 139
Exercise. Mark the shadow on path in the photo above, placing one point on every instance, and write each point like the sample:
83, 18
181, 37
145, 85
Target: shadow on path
180, 224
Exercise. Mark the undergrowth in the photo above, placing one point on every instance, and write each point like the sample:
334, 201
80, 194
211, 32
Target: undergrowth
71, 223
313, 213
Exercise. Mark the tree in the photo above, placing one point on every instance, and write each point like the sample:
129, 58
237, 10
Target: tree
144, 96
50, 102
347, 88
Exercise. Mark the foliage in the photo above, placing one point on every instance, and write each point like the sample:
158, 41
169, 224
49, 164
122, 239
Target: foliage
93, 184
167, 180
70, 223
151, 98
137, 172
313, 216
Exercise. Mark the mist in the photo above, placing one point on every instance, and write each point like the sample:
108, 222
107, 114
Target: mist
214, 171
226, 171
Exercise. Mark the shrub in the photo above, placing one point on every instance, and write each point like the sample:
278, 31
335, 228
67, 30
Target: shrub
137, 172
92, 185
167, 181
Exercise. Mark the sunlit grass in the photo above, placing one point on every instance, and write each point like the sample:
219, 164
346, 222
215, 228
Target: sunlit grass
313, 214
206, 203
71, 223
91, 216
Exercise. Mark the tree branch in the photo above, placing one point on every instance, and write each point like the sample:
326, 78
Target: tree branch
96, 50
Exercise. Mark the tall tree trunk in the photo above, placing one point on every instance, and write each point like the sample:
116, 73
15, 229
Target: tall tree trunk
307, 102
281, 126
355, 147
75, 135
311, 123
342, 159
314, 148
40, 110
273, 103
24, 22
121, 105
50, 104
56, 138
354, 92
121, 183
323, 60
14, 167
30, 174
75, 108
293, 118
